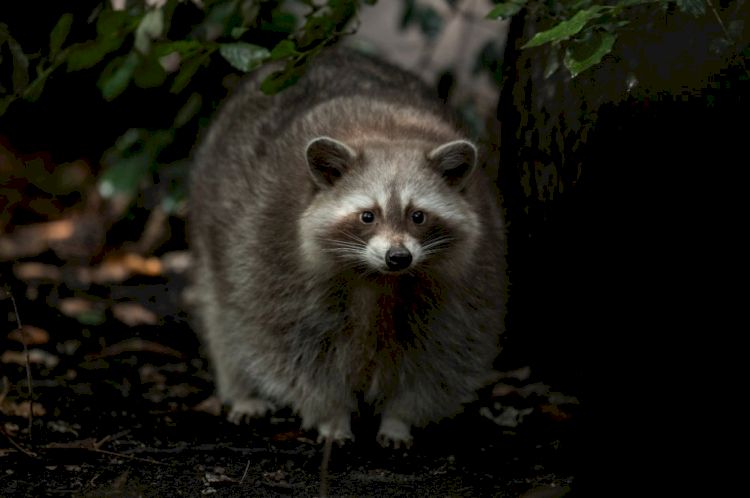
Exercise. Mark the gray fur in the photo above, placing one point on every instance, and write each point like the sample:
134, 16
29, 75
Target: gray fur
284, 320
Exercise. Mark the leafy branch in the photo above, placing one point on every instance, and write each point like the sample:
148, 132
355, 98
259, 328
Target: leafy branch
134, 45
585, 32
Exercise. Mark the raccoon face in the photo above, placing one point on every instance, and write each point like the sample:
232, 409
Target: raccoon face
389, 208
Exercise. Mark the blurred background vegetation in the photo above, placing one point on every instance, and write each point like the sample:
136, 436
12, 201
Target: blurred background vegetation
578, 104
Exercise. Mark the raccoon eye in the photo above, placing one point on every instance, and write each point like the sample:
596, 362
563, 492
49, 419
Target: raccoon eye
417, 217
367, 217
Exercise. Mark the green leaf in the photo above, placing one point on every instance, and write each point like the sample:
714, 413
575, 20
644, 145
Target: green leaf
582, 55
115, 23
277, 81
88, 54
34, 90
188, 111
244, 56
150, 28
124, 175
187, 71
20, 66
238, 32
506, 9
695, 7
281, 22
283, 49
59, 34
185, 48
568, 28
117, 75
149, 73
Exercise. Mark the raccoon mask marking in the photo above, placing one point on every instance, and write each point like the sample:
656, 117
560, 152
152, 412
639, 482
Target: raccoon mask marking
397, 211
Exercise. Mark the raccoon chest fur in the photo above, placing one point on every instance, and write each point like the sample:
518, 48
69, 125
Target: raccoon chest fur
347, 244
387, 317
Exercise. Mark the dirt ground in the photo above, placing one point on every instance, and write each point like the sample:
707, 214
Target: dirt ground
121, 401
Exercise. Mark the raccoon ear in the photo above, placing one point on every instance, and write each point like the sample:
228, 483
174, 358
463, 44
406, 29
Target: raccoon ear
455, 160
328, 160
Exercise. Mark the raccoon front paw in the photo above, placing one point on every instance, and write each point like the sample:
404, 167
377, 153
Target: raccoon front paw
394, 433
339, 430
245, 410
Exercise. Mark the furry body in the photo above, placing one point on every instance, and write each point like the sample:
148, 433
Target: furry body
296, 303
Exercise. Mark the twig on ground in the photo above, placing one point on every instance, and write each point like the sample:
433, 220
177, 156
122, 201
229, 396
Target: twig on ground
28, 362
129, 457
323, 490
20, 448
106, 439
244, 474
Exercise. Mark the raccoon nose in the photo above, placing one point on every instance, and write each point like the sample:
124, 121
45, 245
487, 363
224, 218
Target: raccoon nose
398, 258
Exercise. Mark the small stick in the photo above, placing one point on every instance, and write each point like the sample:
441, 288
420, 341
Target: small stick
129, 457
28, 361
323, 491
106, 439
244, 474
20, 448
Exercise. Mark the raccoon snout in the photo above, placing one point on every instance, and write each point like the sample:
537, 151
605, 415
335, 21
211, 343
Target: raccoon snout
398, 258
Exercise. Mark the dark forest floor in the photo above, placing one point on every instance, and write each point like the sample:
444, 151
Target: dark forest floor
121, 390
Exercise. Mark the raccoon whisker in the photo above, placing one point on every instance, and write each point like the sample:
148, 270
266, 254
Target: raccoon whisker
353, 237
436, 244
344, 243
346, 255
343, 248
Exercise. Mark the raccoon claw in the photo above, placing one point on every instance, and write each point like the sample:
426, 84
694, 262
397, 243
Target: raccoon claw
244, 411
394, 434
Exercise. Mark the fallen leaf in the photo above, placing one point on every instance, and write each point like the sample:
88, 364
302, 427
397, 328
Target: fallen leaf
22, 409
63, 427
88, 443
29, 334
521, 374
32, 240
73, 306
508, 416
87, 239
135, 345
210, 405
85, 311
555, 412
218, 476
150, 266
503, 390
133, 314
182, 390
10, 428
36, 356
118, 268
37, 271
287, 436
106, 273
537, 388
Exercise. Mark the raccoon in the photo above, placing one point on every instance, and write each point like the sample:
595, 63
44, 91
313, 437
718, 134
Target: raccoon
347, 249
